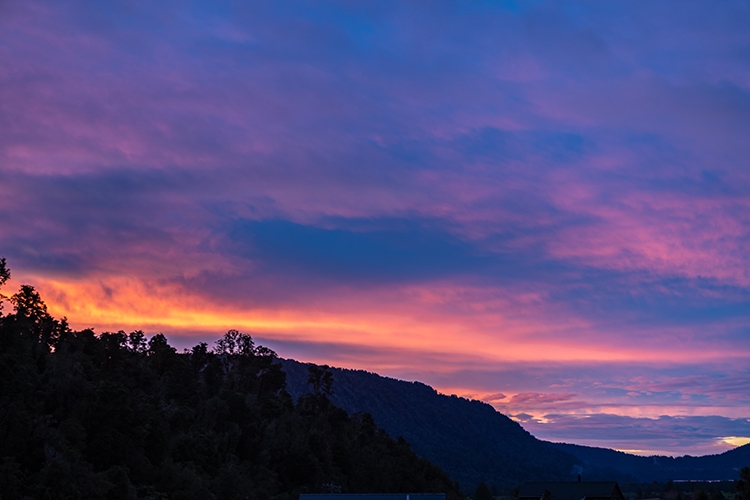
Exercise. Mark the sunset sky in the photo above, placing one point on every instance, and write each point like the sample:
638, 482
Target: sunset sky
544, 205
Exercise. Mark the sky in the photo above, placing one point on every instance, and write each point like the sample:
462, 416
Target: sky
543, 205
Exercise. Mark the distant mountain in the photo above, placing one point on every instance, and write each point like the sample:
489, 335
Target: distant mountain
468, 439
725, 466
473, 442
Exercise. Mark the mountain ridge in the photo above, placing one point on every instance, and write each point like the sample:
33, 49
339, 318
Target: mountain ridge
720, 466
495, 449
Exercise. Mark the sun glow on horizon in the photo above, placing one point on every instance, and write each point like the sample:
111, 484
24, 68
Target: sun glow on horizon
388, 343
735, 441
122, 303
552, 220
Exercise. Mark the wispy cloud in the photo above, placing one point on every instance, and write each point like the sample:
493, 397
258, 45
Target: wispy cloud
665, 435
431, 192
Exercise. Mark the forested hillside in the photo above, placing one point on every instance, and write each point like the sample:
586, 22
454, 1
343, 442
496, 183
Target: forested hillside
468, 439
725, 466
120, 416
474, 443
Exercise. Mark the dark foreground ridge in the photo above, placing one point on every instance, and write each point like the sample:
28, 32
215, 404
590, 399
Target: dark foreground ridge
118, 417
474, 443
372, 496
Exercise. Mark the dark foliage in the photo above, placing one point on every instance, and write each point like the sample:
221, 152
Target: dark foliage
685, 490
118, 416
743, 484
483, 492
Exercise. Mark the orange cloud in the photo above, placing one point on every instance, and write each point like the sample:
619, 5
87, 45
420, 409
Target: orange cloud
443, 318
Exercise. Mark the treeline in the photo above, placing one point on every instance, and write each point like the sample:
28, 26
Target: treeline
120, 416
725, 466
738, 489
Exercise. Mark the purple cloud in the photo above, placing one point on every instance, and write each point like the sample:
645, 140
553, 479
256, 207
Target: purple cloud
521, 180
665, 435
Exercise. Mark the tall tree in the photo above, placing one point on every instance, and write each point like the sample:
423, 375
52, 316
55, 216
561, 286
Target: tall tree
4, 277
743, 484
483, 492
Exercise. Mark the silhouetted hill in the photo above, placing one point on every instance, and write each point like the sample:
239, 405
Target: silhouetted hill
117, 416
473, 442
725, 466
468, 439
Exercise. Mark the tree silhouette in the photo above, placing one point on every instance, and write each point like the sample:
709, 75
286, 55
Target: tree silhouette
137, 341
4, 271
483, 492
321, 379
118, 415
29, 304
743, 484
235, 343
4, 277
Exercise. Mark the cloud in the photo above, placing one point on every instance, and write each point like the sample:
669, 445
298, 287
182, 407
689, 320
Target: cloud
508, 183
536, 398
696, 435
490, 398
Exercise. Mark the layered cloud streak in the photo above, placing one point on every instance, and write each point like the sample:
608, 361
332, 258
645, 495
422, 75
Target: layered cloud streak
428, 192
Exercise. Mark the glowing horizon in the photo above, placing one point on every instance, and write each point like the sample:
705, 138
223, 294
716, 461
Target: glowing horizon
542, 206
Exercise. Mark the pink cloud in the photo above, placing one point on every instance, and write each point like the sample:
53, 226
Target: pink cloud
584, 176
